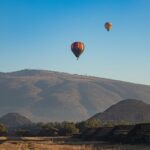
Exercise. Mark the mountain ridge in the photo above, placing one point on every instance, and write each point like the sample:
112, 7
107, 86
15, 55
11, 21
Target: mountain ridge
48, 72
55, 96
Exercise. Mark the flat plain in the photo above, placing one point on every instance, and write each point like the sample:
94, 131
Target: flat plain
44, 143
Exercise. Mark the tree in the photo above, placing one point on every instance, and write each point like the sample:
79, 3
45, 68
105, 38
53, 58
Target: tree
23, 132
91, 123
3, 130
68, 128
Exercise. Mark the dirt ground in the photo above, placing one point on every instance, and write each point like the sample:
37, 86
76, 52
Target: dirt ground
38, 143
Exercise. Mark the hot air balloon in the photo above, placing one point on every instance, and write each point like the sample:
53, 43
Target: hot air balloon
77, 48
108, 26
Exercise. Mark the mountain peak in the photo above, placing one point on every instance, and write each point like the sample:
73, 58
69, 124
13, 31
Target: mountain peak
30, 72
14, 120
131, 110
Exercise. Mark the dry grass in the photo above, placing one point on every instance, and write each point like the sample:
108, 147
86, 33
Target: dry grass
47, 144
3, 138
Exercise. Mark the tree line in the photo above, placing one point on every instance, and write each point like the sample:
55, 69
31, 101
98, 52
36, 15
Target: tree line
65, 128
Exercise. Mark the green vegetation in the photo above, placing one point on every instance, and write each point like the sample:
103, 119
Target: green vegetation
68, 128
3, 130
23, 132
91, 123
59, 128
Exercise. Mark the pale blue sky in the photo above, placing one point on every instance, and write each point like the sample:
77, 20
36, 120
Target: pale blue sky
37, 34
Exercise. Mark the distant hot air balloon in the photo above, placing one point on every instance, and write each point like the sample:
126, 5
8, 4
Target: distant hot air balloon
77, 48
108, 26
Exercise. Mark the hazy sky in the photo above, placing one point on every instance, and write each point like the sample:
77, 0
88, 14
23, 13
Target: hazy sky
37, 34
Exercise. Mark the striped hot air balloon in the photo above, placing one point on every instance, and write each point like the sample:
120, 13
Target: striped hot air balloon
108, 26
77, 48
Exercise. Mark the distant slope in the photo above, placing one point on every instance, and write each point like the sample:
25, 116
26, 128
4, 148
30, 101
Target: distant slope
14, 120
128, 110
52, 96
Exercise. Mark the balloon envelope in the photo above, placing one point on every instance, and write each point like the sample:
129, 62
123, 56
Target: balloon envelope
77, 48
108, 26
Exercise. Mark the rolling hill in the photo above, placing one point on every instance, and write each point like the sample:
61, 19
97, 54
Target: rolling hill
129, 110
53, 96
